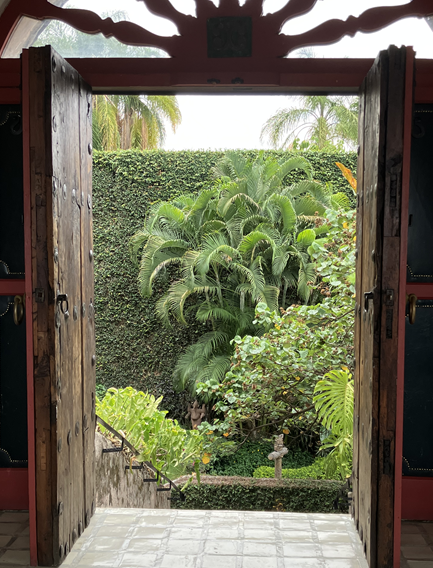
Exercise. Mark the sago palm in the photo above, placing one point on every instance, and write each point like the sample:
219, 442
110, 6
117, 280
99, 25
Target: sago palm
243, 241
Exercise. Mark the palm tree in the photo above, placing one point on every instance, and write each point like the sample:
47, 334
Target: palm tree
132, 121
243, 241
119, 121
323, 120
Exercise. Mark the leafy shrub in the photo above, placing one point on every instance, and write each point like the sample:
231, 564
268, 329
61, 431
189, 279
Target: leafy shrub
159, 440
101, 390
316, 470
132, 346
251, 456
272, 378
241, 241
300, 495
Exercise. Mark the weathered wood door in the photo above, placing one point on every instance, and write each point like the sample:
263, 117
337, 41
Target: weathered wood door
60, 134
385, 118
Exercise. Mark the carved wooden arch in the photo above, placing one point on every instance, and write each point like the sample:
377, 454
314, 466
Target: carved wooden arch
191, 44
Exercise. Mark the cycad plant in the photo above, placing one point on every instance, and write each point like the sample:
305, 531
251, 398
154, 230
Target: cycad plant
241, 242
333, 399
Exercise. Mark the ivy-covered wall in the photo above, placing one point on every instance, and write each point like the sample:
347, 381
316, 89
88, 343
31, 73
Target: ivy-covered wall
133, 348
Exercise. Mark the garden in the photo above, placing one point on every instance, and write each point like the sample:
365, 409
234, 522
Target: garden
224, 287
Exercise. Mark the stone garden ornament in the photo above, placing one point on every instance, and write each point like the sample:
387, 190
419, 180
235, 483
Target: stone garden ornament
277, 455
196, 413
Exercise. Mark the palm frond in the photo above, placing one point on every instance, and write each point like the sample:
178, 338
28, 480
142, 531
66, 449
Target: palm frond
340, 201
287, 211
214, 248
308, 206
306, 278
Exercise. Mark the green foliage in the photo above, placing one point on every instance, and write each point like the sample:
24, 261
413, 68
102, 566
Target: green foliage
251, 456
132, 121
300, 495
242, 241
159, 440
327, 123
101, 390
316, 470
334, 400
132, 346
270, 385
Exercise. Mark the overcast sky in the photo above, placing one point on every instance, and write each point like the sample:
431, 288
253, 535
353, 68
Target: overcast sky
220, 122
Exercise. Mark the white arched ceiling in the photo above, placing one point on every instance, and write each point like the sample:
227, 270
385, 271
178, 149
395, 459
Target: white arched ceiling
25, 33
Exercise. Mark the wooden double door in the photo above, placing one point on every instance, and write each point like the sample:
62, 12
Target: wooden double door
57, 119
393, 441
60, 314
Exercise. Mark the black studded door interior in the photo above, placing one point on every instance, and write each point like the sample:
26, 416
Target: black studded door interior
13, 387
418, 383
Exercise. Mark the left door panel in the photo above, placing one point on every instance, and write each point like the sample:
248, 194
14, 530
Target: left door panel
62, 282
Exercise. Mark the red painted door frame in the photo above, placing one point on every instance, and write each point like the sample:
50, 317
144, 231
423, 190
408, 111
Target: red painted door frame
416, 502
13, 92
29, 314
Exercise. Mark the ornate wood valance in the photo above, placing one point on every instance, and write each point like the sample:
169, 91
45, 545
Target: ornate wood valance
207, 34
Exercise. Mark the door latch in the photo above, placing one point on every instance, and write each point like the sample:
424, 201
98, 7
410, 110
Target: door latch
19, 303
367, 297
62, 302
412, 300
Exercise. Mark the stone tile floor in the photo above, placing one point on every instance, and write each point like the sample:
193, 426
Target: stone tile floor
131, 538
416, 545
14, 538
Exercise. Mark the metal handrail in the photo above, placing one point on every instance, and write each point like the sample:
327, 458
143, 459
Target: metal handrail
159, 474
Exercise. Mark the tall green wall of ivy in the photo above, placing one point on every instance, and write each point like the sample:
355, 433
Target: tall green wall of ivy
133, 348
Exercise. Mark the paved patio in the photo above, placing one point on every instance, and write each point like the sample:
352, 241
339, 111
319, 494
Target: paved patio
130, 538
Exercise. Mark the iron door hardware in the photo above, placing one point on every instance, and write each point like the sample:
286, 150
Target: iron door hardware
411, 299
19, 303
61, 300
367, 297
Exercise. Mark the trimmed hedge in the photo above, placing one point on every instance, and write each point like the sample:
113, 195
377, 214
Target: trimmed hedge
247, 494
133, 348
314, 471
252, 456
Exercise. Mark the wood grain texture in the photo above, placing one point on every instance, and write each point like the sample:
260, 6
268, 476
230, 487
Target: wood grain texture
87, 311
358, 312
378, 271
58, 177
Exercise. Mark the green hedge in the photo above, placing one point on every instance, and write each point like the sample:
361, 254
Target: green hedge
132, 346
252, 456
314, 471
247, 494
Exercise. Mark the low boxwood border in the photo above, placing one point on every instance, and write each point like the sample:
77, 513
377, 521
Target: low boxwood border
247, 494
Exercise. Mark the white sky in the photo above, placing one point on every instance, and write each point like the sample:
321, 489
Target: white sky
220, 122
